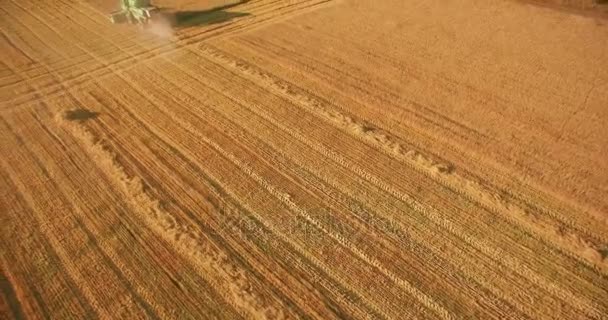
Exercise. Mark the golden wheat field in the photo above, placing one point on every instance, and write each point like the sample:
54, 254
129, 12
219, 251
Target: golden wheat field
304, 159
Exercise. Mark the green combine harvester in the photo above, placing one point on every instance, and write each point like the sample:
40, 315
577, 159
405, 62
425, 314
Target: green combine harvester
133, 11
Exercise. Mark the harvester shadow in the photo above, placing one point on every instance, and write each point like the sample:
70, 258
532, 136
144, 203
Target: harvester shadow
183, 19
80, 115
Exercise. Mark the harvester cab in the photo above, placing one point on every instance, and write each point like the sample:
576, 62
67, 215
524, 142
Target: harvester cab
133, 11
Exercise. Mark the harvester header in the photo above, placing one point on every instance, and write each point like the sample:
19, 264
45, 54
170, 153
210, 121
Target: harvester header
133, 11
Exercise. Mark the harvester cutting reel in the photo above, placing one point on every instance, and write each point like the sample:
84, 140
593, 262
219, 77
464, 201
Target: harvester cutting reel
133, 11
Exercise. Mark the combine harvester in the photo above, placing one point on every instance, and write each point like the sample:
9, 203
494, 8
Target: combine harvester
134, 11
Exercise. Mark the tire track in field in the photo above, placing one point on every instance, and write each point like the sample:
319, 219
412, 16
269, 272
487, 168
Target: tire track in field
92, 55
198, 91
19, 58
37, 90
164, 48
199, 79
560, 227
163, 276
163, 189
211, 227
286, 199
150, 101
9, 300
266, 49
264, 52
513, 264
442, 172
427, 301
224, 195
55, 248
361, 131
185, 238
202, 110
220, 195
189, 242
277, 309
119, 263
532, 201
404, 136
135, 86
30, 287
59, 85
58, 88
71, 223
25, 57
34, 22
60, 253
364, 86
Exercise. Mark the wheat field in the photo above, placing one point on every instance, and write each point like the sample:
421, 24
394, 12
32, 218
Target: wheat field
304, 159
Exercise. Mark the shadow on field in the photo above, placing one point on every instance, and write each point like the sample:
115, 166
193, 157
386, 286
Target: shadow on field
80, 115
183, 19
